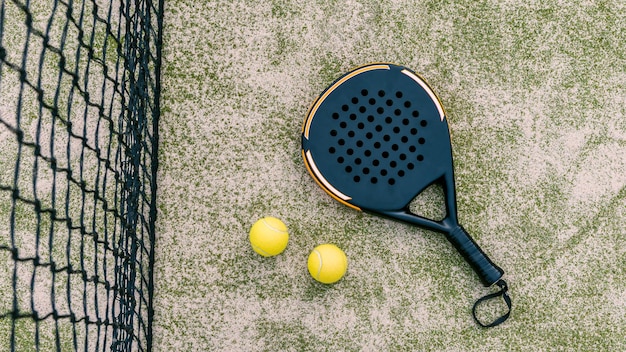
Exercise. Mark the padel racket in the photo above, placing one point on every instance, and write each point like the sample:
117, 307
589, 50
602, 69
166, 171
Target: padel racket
375, 139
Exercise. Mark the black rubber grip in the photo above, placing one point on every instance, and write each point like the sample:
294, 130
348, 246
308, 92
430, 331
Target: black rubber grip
488, 272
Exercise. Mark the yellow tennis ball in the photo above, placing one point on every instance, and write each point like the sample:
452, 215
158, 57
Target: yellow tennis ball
327, 263
269, 236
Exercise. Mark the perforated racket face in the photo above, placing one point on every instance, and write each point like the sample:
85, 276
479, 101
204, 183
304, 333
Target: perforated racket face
376, 138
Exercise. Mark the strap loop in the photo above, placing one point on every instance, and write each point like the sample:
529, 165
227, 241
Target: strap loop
502, 293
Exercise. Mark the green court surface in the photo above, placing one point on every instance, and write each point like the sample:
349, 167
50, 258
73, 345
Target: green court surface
535, 99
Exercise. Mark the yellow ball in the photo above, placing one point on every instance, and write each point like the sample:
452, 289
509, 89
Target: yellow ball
269, 236
327, 263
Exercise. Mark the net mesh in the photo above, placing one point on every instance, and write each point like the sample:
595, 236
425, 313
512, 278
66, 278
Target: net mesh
79, 110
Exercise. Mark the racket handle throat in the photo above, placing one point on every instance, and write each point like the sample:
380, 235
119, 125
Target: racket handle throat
487, 271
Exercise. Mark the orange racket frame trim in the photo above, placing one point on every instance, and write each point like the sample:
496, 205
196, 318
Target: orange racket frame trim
323, 183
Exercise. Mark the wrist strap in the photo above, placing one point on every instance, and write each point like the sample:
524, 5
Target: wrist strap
502, 293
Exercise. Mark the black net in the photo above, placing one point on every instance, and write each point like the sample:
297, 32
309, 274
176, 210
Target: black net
79, 107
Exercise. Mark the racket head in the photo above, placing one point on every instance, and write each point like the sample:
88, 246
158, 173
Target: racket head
376, 138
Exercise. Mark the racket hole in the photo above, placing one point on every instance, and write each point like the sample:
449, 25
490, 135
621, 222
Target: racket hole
343, 124
385, 155
414, 131
396, 129
335, 116
331, 150
380, 110
351, 134
389, 102
412, 148
361, 125
348, 169
379, 128
376, 162
388, 119
420, 157
383, 172
344, 107
386, 138
369, 135
366, 171
397, 112
358, 161
359, 143
340, 160
357, 178
374, 180
341, 142
377, 145
395, 147
410, 166
352, 117
401, 173
372, 101
402, 156
423, 123
355, 100
421, 141
362, 109
333, 133
416, 113
350, 151
392, 181
405, 139
381, 93
368, 153
405, 122
370, 118
364, 92
407, 104
399, 95
393, 164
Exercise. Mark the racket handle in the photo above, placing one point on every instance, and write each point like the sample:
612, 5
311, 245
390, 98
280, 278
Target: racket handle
488, 272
